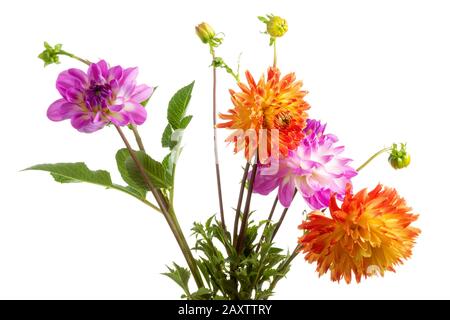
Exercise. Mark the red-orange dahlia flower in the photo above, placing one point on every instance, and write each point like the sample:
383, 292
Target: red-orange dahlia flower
370, 233
273, 104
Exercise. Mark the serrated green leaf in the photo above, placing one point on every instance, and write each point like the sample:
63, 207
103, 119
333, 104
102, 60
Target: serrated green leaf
79, 172
178, 105
166, 139
155, 171
121, 156
75, 172
181, 276
185, 122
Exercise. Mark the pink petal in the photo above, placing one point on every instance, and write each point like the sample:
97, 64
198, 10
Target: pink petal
264, 184
286, 193
115, 73
118, 118
129, 76
83, 123
62, 110
74, 95
141, 93
67, 80
135, 112
98, 71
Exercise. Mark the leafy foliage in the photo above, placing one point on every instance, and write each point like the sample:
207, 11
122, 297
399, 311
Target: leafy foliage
250, 275
79, 172
155, 171
121, 157
178, 105
176, 116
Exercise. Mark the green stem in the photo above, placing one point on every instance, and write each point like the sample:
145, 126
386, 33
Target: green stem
167, 212
137, 137
373, 157
268, 221
281, 219
275, 53
172, 191
239, 204
244, 223
71, 55
216, 151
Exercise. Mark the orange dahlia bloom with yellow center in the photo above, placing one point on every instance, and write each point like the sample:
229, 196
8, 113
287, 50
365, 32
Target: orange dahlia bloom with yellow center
275, 103
370, 233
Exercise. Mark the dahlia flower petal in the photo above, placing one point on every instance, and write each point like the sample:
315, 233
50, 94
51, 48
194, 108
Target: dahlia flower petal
264, 184
129, 76
119, 118
141, 93
286, 193
135, 112
83, 123
95, 73
62, 110
115, 73
79, 74
68, 79
74, 95
116, 107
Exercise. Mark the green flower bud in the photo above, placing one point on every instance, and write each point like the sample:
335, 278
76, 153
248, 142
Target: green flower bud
276, 26
205, 32
399, 158
50, 54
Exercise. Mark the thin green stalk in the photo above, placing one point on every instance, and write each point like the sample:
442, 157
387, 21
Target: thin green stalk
244, 223
137, 137
71, 55
275, 53
373, 157
239, 204
216, 149
283, 215
172, 191
268, 221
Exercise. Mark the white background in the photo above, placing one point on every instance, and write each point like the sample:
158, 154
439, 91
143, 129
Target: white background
377, 72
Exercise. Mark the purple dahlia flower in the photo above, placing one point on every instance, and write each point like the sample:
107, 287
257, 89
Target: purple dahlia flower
104, 95
316, 169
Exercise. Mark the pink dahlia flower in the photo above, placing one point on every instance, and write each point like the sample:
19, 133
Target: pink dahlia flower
101, 96
316, 169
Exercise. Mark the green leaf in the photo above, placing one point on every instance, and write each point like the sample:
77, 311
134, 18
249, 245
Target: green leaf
79, 172
202, 294
155, 171
75, 172
166, 140
121, 156
62, 179
181, 276
185, 122
178, 105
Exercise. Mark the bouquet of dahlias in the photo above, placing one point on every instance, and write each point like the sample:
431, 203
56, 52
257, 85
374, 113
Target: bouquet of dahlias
349, 233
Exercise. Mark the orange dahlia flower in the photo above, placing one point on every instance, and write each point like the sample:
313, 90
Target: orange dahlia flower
370, 233
273, 104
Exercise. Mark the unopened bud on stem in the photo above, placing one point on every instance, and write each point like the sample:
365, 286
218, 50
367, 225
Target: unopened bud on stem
399, 158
